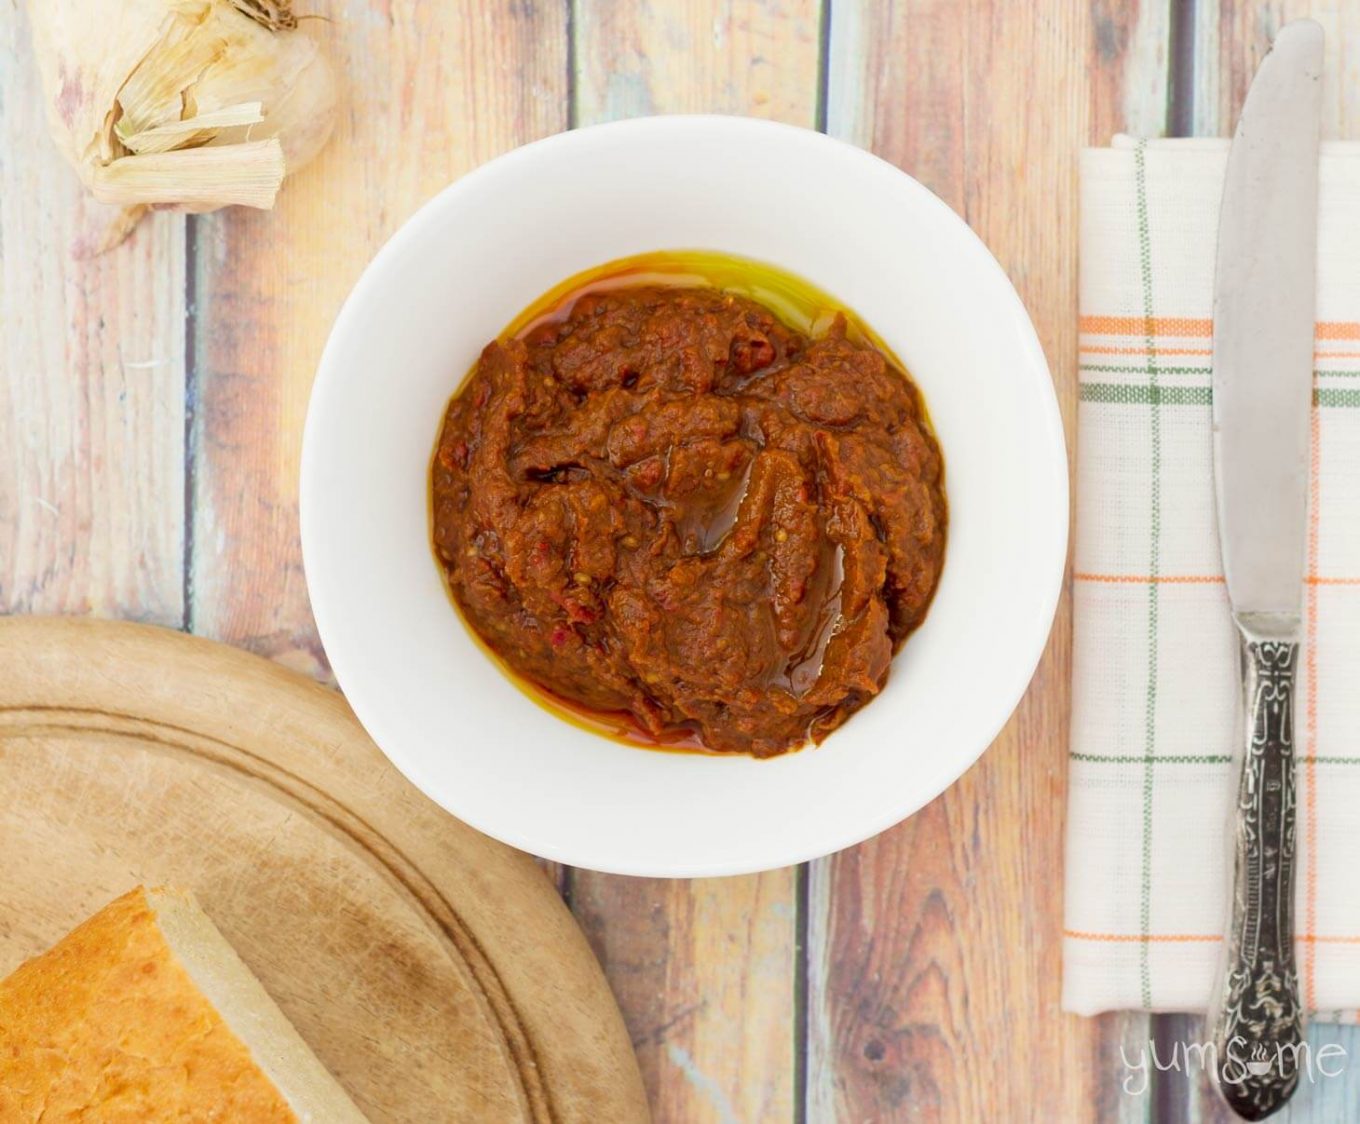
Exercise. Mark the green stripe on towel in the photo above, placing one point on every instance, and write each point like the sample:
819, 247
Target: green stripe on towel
1154, 561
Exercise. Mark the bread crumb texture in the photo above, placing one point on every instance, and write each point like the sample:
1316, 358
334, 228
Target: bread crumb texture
107, 1026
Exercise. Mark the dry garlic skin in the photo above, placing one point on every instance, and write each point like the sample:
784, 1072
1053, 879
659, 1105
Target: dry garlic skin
84, 59
192, 104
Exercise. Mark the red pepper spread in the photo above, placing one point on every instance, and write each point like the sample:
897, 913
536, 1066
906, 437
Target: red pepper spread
669, 505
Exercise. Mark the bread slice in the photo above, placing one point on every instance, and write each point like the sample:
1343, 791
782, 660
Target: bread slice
145, 1013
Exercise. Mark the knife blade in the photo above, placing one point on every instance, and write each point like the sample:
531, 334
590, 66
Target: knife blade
1264, 312
1264, 307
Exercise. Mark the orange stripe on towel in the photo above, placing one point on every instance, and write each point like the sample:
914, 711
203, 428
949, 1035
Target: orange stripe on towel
1146, 579
1091, 350
1196, 938
1138, 938
1191, 579
1194, 327
1147, 326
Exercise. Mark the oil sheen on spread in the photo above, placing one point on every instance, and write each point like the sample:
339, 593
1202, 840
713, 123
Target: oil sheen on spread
690, 500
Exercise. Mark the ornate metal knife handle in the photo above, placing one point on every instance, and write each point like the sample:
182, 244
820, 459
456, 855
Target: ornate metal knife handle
1258, 1020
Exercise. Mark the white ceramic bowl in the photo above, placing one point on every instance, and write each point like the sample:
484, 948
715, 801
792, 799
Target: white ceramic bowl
486, 247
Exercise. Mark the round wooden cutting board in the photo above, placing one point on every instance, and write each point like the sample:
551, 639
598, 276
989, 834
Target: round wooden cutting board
434, 971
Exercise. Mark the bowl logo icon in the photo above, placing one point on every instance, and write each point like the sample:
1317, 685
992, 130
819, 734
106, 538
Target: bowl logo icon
1258, 1065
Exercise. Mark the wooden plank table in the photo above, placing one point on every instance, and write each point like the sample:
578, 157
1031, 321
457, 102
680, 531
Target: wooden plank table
150, 421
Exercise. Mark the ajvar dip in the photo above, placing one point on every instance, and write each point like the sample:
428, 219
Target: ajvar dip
666, 503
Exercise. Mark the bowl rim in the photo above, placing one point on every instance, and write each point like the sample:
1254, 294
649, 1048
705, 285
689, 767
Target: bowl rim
1051, 459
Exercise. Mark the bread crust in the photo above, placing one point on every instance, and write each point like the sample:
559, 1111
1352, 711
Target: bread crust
107, 1025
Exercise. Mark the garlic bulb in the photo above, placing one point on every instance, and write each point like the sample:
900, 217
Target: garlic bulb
186, 104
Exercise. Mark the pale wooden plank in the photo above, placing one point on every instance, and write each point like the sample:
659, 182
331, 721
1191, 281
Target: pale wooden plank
434, 90
1231, 38
1230, 41
753, 57
705, 971
91, 393
935, 949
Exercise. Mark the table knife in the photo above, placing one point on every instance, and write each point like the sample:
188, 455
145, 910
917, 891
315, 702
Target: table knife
1264, 311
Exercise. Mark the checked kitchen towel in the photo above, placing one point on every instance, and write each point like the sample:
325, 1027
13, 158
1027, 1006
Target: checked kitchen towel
1155, 682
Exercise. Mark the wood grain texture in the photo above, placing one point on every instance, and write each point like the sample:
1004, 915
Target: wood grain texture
1231, 38
435, 90
1230, 41
91, 381
432, 970
705, 970
704, 973
935, 949
758, 58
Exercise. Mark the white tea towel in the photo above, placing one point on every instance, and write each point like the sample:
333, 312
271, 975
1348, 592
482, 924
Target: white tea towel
1155, 681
